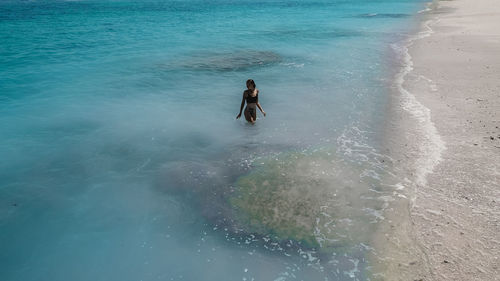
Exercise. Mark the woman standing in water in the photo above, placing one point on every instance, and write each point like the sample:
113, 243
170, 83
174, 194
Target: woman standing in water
251, 96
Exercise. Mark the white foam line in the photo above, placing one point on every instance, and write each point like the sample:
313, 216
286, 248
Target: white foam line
432, 146
427, 8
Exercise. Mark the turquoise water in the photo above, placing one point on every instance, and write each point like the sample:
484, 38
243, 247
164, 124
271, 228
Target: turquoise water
117, 116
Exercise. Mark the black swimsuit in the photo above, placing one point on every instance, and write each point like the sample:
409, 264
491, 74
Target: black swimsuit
251, 99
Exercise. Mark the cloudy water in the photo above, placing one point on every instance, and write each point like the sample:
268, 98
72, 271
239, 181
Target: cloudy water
121, 158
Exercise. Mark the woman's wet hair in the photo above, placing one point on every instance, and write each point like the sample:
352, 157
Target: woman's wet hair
251, 82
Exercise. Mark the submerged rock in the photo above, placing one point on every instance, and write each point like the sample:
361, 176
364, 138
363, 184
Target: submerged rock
313, 199
316, 199
231, 61
279, 200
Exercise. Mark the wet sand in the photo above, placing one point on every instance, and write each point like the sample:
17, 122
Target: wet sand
451, 88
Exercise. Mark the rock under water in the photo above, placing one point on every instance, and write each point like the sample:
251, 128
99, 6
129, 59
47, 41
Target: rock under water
230, 61
316, 199
313, 199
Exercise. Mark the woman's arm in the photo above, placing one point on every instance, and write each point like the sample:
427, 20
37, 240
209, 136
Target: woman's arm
261, 110
242, 105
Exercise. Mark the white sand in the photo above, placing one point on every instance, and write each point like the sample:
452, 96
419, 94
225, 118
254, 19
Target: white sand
451, 89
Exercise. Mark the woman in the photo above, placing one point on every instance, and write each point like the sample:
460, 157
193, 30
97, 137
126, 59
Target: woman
251, 96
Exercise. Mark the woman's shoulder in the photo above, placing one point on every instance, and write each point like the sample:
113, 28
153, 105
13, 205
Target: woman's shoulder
250, 92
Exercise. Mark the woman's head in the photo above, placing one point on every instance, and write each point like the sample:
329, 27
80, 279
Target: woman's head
250, 84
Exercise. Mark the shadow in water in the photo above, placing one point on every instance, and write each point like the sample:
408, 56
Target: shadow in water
226, 61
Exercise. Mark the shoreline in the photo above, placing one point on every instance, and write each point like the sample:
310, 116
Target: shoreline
445, 114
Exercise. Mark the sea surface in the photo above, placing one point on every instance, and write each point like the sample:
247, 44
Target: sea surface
119, 143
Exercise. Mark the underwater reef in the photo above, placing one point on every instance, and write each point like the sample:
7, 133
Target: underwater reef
316, 199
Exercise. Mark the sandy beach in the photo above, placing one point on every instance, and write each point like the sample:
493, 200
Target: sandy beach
451, 87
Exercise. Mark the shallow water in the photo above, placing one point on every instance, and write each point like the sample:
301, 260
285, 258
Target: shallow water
120, 146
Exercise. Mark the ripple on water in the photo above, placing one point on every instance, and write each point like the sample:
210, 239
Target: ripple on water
383, 15
302, 34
